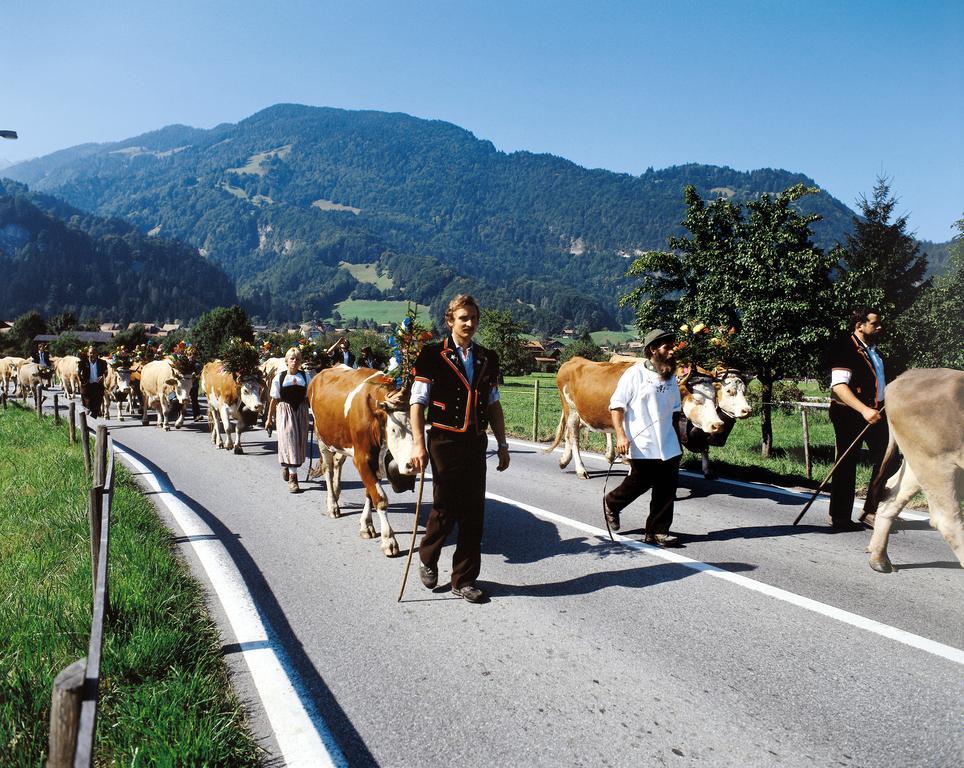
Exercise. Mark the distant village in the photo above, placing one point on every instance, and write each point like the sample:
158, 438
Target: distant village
543, 352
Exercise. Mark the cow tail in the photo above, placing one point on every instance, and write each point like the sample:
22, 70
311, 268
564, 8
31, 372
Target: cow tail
877, 486
559, 431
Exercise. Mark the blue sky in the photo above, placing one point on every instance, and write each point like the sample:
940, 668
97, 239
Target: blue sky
841, 91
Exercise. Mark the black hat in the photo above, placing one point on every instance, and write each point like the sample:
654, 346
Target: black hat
657, 334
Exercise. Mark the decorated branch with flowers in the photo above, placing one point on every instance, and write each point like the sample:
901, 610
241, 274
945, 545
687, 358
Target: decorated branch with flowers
705, 345
120, 357
406, 343
178, 357
239, 357
313, 356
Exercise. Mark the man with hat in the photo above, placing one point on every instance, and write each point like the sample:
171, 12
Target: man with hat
645, 408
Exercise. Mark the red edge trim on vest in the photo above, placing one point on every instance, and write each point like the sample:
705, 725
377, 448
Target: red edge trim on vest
468, 404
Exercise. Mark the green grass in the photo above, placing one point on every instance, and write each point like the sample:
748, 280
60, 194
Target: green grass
614, 337
165, 694
367, 273
739, 458
379, 311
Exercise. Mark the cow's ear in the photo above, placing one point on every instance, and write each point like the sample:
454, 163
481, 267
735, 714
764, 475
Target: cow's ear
171, 382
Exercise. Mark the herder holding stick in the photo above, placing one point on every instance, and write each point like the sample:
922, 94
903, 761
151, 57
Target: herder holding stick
458, 380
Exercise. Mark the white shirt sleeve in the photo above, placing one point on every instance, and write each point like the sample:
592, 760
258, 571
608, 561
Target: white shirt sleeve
421, 392
623, 394
276, 387
839, 376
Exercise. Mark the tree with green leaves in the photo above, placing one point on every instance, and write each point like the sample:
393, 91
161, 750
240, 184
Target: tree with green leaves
585, 347
215, 328
932, 330
881, 266
503, 335
752, 267
23, 330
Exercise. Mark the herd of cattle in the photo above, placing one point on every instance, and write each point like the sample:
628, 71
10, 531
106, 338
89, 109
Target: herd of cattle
360, 413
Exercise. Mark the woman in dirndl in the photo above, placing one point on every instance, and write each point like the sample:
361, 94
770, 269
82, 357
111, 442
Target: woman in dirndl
289, 398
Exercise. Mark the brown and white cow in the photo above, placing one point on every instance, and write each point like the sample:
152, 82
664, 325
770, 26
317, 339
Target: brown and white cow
29, 375
585, 389
162, 385
68, 375
227, 394
8, 370
117, 388
925, 414
359, 413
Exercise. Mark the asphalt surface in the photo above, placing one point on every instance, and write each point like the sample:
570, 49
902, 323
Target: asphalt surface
589, 652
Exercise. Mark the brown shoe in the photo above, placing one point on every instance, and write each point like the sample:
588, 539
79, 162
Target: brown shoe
293, 486
429, 576
868, 519
662, 539
612, 518
470, 593
844, 525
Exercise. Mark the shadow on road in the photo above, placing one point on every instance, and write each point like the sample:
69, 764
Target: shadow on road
310, 686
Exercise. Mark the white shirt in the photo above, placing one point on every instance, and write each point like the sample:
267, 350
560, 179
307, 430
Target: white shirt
422, 390
299, 378
648, 402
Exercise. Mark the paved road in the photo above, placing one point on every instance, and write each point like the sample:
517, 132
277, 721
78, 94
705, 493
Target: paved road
758, 644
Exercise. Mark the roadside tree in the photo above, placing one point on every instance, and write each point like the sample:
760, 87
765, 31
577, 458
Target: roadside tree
501, 333
213, 329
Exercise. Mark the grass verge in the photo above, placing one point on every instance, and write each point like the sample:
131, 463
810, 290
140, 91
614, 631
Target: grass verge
165, 694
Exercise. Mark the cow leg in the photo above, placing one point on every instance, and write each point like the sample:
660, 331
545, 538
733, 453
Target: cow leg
340, 459
899, 490
365, 527
572, 434
180, 419
945, 506
610, 447
225, 418
237, 435
708, 473
376, 496
333, 489
215, 424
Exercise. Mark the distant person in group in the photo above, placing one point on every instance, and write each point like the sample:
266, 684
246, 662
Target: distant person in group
857, 385
340, 354
289, 399
645, 409
191, 355
457, 380
367, 359
91, 370
43, 356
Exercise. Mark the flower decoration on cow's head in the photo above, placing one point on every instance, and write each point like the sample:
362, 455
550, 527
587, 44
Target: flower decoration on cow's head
313, 356
703, 344
239, 357
120, 357
406, 343
180, 359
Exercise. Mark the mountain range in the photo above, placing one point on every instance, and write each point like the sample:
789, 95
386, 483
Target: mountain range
286, 200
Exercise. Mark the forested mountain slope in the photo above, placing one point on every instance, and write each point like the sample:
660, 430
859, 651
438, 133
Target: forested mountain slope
281, 198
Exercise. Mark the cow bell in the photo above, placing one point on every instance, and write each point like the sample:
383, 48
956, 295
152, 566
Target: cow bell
399, 481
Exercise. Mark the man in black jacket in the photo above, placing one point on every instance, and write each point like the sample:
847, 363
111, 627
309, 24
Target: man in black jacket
857, 382
458, 380
91, 370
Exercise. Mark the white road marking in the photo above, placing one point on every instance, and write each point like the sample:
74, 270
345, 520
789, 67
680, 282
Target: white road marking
723, 481
861, 622
303, 737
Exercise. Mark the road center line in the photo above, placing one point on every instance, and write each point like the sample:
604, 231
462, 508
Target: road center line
861, 622
303, 737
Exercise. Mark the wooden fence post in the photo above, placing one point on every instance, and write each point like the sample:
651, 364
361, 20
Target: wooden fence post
806, 441
72, 425
37, 401
84, 443
57, 409
65, 714
535, 411
95, 517
100, 463
4, 397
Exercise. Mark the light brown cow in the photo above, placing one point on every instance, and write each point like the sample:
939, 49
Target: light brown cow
269, 369
227, 393
68, 375
585, 389
117, 388
925, 414
161, 386
29, 375
359, 413
8, 370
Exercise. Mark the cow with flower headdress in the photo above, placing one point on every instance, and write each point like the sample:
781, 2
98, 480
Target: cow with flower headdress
117, 382
233, 387
166, 387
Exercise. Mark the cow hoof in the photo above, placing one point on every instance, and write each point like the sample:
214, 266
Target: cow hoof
167, 428
237, 450
390, 547
881, 565
584, 475
367, 532
334, 512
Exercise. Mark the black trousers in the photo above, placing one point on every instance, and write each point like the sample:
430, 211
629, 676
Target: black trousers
662, 477
847, 424
195, 405
458, 488
92, 397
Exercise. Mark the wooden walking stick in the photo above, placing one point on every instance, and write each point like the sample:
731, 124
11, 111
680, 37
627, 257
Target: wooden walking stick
411, 548
834, 467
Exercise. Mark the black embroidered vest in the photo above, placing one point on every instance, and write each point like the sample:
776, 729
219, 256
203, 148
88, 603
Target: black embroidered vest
456, 404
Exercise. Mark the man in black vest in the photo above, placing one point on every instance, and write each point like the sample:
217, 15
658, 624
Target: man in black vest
458, 381
43, 356
91, 370
857, 383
